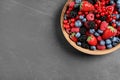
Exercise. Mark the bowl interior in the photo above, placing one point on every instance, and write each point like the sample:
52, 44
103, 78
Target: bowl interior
87, 51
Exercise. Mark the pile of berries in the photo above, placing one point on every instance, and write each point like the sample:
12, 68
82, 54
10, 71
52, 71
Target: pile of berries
93, 24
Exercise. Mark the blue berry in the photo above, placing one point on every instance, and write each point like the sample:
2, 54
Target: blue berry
117, 16
114, 39
84, 20
78, 23
78, 1
81, 17
96, 34
113, 21
79, 43
119, 10
102, 42
77, 34
76, 5
108, 41
100, 31
118, 23
114, 43
112, 2
93, 48
92, 31
118, 40
109, 46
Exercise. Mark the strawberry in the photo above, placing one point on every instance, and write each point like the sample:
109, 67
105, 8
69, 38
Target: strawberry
110, 9
109, 32
103, 25
92, 40
73, 38
86, 6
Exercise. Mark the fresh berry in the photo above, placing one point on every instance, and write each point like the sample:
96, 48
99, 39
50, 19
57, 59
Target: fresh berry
100, 31
103, 18
85, 45
102, 42
99, 47
92, 40
109, 32
74, 29
110, 9
92, 31
90, 17
83, 30
84, 20
85, 6
81, 17
109, 46
91, 24
82, 38
93, 47
78, 23
108, 41
79, 43
77, 34
103, 25
96, 34
78, 1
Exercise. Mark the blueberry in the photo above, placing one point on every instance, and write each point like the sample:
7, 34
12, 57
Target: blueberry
118, 40
93, 47
114, 39
92, 31
114, 43
109, 46
84, 20
76, 5
118, 23
78, 23
96, 34
100, 31
102, 42
77, 34
113, 21
81, 17
78, 1
119, 10
108, 41
117, 16
65, 16
111, 2
79, 43
118, 6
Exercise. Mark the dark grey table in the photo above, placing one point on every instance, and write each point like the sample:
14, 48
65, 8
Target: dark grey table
32, 46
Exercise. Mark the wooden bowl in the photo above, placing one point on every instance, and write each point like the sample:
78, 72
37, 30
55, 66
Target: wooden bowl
87, 51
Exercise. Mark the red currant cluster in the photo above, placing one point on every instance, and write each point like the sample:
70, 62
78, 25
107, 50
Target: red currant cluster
93, 24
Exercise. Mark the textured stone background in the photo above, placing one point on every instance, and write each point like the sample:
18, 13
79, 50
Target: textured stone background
32, 46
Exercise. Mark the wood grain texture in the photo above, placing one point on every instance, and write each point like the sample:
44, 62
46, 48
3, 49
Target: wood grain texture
97, 52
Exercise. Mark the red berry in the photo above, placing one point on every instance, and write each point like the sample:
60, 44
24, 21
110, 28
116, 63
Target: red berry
66, 26
98, 21
114, 17
71, 4
79, 13
73, 38
102, 14
114, 24
68, 30
72, 20
118, 28
99, 47
86, 13
65, 21
97, 15
96, 5
72, 24
115, 12
90, 16
75, 29
99, 38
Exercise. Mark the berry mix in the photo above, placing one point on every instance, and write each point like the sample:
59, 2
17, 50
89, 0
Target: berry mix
93, 24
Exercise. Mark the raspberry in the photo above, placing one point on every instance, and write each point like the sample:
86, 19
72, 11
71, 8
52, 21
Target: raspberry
90, 17
99, 47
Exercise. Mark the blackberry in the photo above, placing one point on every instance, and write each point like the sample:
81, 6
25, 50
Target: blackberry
103, 18
91, 24
83, 30
85, 45
73, 14
82, 38
92, 1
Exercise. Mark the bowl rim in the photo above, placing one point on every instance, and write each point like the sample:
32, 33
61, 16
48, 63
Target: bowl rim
73, 44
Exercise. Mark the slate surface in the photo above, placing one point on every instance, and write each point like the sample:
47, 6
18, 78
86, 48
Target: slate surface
32, 46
